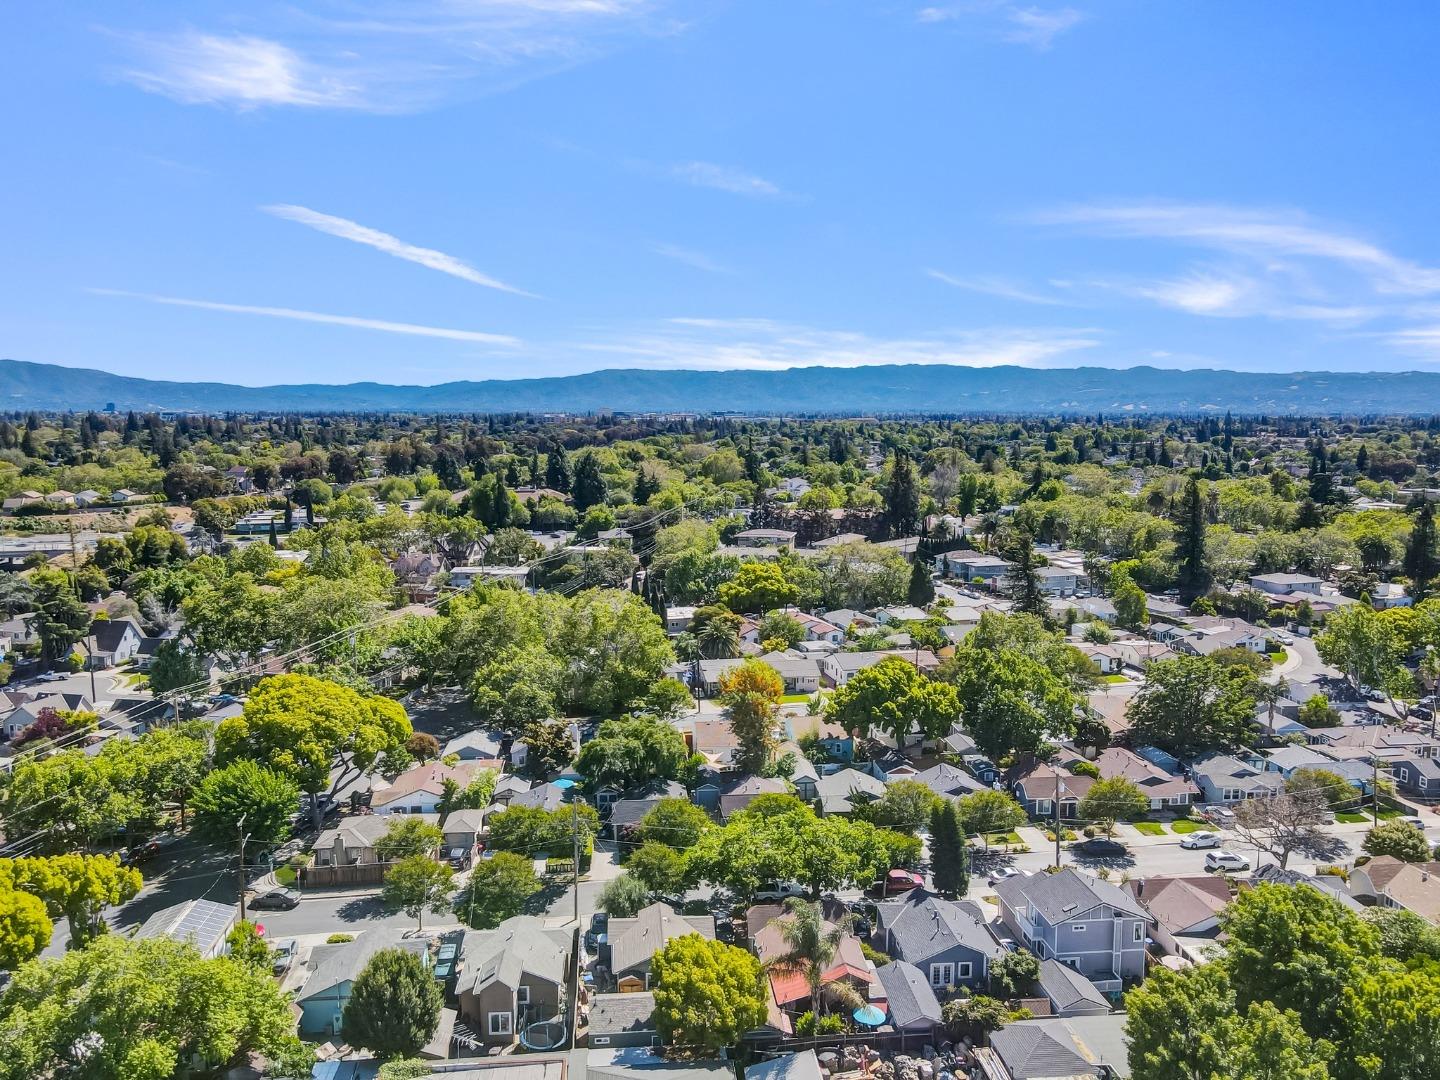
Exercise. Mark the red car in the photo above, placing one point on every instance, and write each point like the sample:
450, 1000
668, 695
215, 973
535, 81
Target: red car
898, 881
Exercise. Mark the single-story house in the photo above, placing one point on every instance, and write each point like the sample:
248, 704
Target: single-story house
203, 923
909, 997
623, 1020
463, 828
839, 791
947, 940
1225, 779
476, 745
419, 790
1385, 881
1069, 992
352, 842
1184, 906
332, 971
1072, 1048
632, 943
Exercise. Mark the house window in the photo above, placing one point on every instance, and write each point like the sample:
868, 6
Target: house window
1423, 782
1077, 928
522, 995
942, 974
962, 971
1043, 807
1138, 932
500, 1023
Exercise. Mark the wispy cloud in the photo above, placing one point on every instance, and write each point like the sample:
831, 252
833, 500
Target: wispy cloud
1003, 288
1014, 23
405, 58
696, 259
766, 344
390, 245
354, 321
725, 178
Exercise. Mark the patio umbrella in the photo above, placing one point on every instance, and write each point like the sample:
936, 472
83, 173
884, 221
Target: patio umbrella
868, 1015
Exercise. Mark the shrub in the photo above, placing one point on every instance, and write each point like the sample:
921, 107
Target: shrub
1086, 768
339, 939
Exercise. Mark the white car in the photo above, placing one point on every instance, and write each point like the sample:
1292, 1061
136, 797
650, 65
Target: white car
1412, 819
1225, 860
1200, 840
1002, 873
779, 890
1285, 639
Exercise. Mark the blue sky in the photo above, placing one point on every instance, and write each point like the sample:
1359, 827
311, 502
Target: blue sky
444, 189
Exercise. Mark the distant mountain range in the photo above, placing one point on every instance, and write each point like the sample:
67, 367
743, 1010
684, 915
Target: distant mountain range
844, 391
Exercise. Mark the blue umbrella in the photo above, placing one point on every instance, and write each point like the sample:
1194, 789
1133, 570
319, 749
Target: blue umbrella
868, 1015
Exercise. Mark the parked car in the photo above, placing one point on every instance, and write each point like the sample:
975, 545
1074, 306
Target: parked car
1101, 847
1001, 874
1413, 819
276, 900
898, 881
148, 849
779, 890
282, 955
1201, 840
599, 923
1225, 861
1285, 639
52, 676
1220, 815
458, 857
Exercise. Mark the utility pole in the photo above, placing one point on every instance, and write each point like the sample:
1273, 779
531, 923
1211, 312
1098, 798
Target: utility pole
240, 868
91, 665
1057, 818
1374, 790
575, 845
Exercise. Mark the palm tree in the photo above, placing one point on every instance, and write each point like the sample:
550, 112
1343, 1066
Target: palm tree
719, 639
811, 944
1269, 694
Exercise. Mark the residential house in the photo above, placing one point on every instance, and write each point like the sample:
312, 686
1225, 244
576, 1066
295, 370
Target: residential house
766, 538
678, 618
1385, 881
746, 789
60, 497
1057, 580
789, 990
950, 781
116, 641
632, 943
352, 842
1108, 659
1038, 789
202, 923
1069, 992
623, 1020
418, 567
1184, 907
477, 745
900, 613
641, 1063
804, 776
840, 791
26, 712
946, 939
1416, 775
1225, 779
1334, 887
122, 495
463, 828
332, 970
818, 629
88, 497
804, 1065
546, 796
1165, 790
838, 668
627, 811
838, 744
1389, 594
1094, 926
846, 618
1052, 1048
419, 790
838, 540
972, 566
910, 999
507, 788
1281, 584
512, 976
23, 499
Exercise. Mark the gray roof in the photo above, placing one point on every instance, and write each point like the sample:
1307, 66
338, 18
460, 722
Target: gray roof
945, 779
109, 633
634, 941
836, 789
615, 1014
1062, 896
362, 830
1330, 886
487, 743
642, 1063
541, 797
912, 1001
922, 925
336, 964
1072, 1047
203, 923
802, 1066
517, 946
467, 820
1067, 988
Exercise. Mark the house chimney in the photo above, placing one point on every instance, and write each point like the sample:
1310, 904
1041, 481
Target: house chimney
1140, 888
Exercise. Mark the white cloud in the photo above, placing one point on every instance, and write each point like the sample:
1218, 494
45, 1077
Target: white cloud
725, 178
995, 286
240, 70
1200, 294
390, 245
766, 344
696, 259
404, 58
1009, 22
319, 317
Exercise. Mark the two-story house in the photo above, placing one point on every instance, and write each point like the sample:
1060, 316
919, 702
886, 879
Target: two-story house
946, 939
1097, 928
512, 976
631, 944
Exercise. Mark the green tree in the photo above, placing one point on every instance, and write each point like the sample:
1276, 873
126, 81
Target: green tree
811, 945
306, 727
244, 799
949, 853
1130, 606
1013, 974
784, 630
25, 927
1392, 1019
394, 1005
658, 866
149, 1005
61, 620
406, 836
907, 806
79, 887
892, 696
921, 590
750, 693
677, 823
498, 889
1112, 800
624, 897
588, 487
1422, 562
987, 812
756, 587
1191, 704
707, 994
1399, 839
902, 497
1190, 569
627, 752
175, 666
1011, 702
246, 945
1333, 788
1404, 936
417, 884
1317, 712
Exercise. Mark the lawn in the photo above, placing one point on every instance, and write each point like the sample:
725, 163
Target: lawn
1149, 828
1349, 817
1114, 679
1000, 838
1186, 825
285, 875
794, 699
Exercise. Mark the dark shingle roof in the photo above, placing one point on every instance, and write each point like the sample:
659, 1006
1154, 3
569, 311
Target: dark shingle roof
1067, 894
912, 1001
1066, 988
922, 925
615, 1014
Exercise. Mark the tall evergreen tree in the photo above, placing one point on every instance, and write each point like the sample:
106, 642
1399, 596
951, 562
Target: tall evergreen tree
921, 590
589, 485
1190, 540
557, 468
1422, 564
902, 497
949, 858
1018, 546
